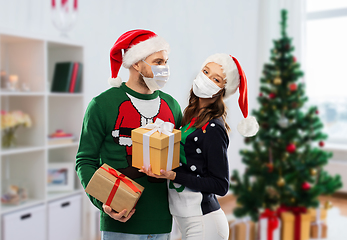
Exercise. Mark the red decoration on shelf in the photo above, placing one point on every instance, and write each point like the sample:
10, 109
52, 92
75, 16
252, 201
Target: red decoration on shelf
272, 95
306, 186
293, 87
321, 144
291, 148
60, 133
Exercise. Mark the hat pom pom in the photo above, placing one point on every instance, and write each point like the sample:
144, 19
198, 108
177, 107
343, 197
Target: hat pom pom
115, 82
248, 127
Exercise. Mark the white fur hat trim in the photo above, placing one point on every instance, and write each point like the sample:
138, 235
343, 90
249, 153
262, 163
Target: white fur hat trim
144, 49
230, 70
115, 82
248, 127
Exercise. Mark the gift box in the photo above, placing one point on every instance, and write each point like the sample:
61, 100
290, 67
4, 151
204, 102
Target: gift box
156, 144
114, 189
269, 226
295, 226
321, 211
319, 230
242, 229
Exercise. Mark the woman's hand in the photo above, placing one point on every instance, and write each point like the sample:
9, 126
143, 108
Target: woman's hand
171, 175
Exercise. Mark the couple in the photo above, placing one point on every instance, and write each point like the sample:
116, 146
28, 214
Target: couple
106, 138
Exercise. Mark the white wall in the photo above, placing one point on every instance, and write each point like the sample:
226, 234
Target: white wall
195, 29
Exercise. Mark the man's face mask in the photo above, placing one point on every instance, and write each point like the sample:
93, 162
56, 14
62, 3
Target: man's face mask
161, 75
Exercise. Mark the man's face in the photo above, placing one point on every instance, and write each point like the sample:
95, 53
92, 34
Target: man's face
158, 58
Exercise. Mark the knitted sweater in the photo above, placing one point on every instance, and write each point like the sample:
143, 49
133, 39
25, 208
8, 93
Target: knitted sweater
204, 170
106, 138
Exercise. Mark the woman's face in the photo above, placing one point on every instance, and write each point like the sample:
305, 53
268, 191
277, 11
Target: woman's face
215, 73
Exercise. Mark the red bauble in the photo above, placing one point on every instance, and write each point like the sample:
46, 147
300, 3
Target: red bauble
317, 112
293, 87
272, 95
291, 148
321, 144
294, 59
260, 94
270, 167
306, 186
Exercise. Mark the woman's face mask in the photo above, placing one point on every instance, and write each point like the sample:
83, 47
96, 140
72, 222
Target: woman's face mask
203, 87
161, 75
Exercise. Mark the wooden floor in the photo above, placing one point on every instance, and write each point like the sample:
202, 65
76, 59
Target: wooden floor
228, 203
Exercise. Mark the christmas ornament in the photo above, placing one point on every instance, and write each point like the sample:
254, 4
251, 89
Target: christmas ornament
272, 95
317, 112
291, 148
292, 200
283, 122
293, 87
306, 186
321, 144
294, 59
277, 81
270, 167
294, 105
328, 205
260, 94
274, 107
281, 182
313, 172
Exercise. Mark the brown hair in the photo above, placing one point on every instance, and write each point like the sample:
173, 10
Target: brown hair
217, 109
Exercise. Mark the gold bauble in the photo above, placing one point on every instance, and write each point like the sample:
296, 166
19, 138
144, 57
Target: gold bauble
281, 182
292, 200
313, 172
328, 205
274, 107
277, 81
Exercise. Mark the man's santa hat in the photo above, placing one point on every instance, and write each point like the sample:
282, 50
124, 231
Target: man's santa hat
137, 45
236, 78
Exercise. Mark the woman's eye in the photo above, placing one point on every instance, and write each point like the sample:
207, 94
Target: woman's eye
205, 72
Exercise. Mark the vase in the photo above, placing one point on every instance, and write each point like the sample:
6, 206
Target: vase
8, 138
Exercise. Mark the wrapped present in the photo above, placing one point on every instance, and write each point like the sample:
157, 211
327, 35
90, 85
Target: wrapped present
295, 223
322, 213
319, 228
269, 226
242, 229
114, 189
156, 144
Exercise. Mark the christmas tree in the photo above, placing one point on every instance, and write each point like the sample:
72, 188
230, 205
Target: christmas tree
285, 159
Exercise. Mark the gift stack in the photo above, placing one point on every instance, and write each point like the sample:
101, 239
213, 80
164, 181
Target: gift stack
319, 228
156, 144
242, 229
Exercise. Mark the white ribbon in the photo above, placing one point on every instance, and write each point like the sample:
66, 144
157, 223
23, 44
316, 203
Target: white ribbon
318, 222
161, 127
244, 220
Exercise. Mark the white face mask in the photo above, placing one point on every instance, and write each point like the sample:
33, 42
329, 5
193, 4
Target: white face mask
203, 87
161, 74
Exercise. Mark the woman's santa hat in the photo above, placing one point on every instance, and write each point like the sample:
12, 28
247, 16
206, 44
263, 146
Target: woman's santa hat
137, 45
236, 78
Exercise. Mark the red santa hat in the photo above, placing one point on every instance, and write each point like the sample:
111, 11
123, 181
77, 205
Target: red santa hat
236, 78
137, 45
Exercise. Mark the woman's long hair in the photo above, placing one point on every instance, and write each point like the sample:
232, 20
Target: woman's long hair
217, 109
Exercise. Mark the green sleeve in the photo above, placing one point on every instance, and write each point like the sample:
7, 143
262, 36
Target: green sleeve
88, 154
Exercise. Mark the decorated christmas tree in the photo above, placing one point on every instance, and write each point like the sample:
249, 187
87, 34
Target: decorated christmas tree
285, 159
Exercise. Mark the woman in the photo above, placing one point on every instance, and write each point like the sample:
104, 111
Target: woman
204, 163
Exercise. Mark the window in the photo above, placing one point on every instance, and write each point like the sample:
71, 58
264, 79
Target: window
326, 65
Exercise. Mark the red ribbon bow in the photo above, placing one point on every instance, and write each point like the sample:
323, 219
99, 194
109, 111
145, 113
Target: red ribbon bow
272, 222
297, 211
122, 178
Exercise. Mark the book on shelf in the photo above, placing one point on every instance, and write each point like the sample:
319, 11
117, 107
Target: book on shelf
60, 137
67, 77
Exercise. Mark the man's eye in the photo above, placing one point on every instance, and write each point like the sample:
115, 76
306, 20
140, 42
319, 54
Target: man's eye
216, 80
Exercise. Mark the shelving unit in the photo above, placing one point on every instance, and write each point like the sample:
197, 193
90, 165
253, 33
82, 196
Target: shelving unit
33, 59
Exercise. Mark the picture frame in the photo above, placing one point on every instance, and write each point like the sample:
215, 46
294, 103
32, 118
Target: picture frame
60, 177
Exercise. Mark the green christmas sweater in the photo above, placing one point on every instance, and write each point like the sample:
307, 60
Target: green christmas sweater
106, 138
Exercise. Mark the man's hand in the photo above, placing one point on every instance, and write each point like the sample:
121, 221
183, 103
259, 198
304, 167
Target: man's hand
117, 216
171, 175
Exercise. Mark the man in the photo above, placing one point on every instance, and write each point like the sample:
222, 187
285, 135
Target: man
106, 133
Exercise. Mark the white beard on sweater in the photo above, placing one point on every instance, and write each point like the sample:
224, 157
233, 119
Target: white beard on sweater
148, 109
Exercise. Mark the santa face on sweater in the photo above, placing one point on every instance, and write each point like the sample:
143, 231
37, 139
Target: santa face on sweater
134, 113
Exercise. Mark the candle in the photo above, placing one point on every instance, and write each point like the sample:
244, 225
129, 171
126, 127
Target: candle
63, 2
13, 78
53, 3
75, 4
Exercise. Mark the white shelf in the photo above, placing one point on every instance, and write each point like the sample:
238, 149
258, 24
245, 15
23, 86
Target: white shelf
21, 150
28, 203
33, 59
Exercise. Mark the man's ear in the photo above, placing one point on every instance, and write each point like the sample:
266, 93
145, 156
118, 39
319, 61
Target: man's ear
136, 66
